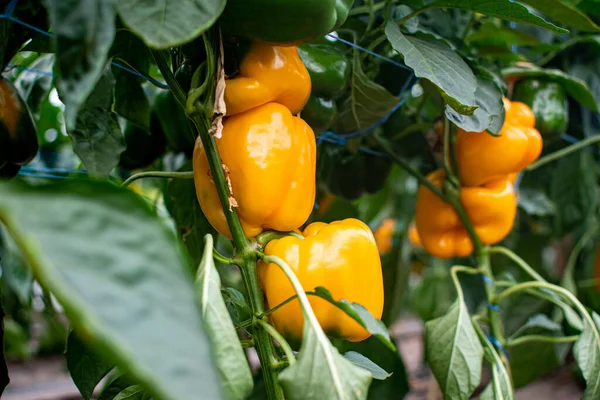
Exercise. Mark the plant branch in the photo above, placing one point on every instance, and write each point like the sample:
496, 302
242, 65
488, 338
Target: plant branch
224, 260
567, 280
563, 152
542, 338
387, 147
158, 174
517, 260
291, 358
413, 14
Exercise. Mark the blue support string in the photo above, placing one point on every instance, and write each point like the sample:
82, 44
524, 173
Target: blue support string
10, 8
487, 280
38, 175
52, 170
494, 307
35, 71
497, 344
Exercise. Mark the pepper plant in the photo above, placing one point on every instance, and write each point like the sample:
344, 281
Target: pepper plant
196, 183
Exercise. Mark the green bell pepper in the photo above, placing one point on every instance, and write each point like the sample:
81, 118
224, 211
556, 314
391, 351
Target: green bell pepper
283, 22
18, 134
328, 68
349, 174
548, 101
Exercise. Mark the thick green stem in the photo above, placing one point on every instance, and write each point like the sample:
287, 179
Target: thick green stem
158, 174
244, 251
563, 152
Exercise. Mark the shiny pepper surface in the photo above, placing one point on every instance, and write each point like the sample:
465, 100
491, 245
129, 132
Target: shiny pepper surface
482, 157
342, 257
491, 208
270, 157
284, 22
268, 74
384, 235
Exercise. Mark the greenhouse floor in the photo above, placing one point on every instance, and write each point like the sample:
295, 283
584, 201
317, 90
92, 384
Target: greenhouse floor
48, 379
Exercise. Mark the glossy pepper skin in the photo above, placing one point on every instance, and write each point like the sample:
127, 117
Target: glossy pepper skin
271, 159
342, 257
548, 101
18, 135
283, 22
329, 69
350, 175
482, 157
491, 208
268, 74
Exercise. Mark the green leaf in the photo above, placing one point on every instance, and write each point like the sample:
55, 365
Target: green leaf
182, 204
433, 296
435, 61
500, 387
115, 386
367, 103
320, 372
169, 23
454, 352
82, 33
565, 13
575, 87
360, 315
535, 202
34, 87
135, 392
376, 371
85, 367
97, 137
587, 354
236, 305
490, 112
532, 360
504, 9
131, 102
491, 34
230, 358
121, 278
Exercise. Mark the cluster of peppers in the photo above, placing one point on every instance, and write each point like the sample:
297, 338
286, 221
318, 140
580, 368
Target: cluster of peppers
487, 167
269, 156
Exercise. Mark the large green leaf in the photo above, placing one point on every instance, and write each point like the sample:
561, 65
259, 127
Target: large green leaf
97, 137
83, 32
230, 358
564, 13
169, 23
367, 102
85, 367
376, 371
490, 112
121, 277
587, 354
492, 34
35, 86
135, 392
504, 9
454, 352
435, 61
575, 87
320, 372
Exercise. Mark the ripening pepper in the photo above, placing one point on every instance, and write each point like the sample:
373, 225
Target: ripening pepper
491, 208
384, 235
342, 257
283, 22
548, 101
18, 136
482, 157
329, 69
350, 174
270, 158
268, 74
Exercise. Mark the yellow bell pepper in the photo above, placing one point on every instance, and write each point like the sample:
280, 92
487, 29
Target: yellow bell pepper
384, 235
342, 257
270, 157
482, 157
491, 208
268, 74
